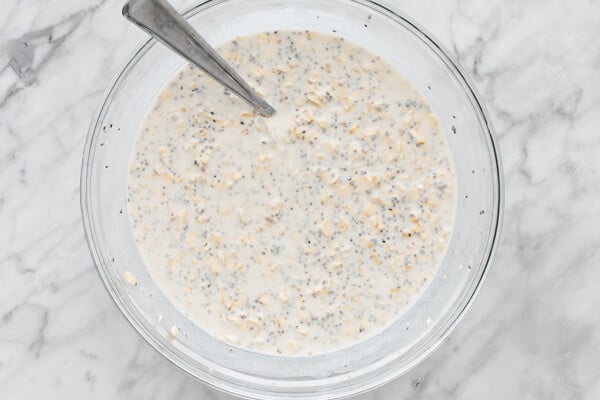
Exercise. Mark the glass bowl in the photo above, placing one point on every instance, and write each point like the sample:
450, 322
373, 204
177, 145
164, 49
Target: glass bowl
365, 365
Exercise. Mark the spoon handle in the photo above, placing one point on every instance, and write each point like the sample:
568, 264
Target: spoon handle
161, 20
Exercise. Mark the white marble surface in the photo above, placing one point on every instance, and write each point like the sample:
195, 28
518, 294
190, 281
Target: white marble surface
534, 331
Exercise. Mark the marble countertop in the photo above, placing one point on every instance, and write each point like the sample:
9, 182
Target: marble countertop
533, 332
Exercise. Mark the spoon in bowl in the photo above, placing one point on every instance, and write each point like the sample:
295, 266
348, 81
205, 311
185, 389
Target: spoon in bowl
162, 21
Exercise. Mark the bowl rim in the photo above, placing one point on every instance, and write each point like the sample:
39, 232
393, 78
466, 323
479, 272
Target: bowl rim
237, 388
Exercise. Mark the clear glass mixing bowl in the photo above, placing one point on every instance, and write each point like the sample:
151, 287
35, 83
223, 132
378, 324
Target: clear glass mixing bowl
430, 69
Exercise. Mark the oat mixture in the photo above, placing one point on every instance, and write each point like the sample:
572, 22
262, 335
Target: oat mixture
301, 233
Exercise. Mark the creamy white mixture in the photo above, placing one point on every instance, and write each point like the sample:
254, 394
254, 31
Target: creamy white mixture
304, 232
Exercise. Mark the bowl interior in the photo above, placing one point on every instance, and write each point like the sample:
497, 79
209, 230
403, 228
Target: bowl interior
416, 333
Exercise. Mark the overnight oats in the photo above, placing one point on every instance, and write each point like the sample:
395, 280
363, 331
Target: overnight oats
304, 232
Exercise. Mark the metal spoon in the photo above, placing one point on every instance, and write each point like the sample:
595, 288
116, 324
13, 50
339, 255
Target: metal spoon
161, 20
